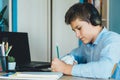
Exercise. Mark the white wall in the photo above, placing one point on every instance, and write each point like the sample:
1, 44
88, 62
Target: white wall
33, 18
62, 33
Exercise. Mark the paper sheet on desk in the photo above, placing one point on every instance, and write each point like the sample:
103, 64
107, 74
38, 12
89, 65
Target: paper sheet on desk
34, 76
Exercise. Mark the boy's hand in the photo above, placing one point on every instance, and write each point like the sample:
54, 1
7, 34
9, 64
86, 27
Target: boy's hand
60, 66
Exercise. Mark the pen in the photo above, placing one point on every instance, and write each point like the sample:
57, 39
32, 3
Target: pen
8, 51
3, 48
57, 49
6, 46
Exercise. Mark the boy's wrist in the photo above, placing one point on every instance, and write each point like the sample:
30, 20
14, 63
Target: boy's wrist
68, 69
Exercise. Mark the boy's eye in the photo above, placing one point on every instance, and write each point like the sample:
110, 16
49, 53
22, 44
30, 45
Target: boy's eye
73, 30
79, 28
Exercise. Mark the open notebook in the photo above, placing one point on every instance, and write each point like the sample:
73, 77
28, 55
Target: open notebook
34, 76
21, 52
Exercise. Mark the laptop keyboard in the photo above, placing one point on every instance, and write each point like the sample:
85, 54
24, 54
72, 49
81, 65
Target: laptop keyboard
43, 66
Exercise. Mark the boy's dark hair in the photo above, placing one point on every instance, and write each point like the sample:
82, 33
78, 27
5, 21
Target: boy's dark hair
85, 12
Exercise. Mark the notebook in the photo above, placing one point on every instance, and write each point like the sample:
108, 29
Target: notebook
21, 51
33, 75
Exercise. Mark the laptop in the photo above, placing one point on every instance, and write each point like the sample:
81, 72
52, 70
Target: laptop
20, 50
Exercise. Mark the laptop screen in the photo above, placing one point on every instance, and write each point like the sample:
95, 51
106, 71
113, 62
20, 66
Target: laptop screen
20, 46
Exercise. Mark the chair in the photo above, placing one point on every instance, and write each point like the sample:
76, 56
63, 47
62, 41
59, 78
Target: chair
116, 74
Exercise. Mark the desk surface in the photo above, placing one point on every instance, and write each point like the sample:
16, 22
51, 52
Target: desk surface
64, 78
78, 78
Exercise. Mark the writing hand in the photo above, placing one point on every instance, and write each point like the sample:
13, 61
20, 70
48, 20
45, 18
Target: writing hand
60, 66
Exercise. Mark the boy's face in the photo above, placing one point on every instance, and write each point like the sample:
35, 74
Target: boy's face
84, 30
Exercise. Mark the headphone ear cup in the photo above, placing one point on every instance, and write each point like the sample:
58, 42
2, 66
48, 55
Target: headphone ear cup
95, 20
92, 20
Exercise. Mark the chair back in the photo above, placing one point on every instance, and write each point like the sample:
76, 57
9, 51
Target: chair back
116, 73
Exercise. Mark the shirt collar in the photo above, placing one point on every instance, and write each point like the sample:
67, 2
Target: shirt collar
100, 35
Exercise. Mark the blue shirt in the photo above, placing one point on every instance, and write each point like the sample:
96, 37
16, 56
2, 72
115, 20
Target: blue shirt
98, 59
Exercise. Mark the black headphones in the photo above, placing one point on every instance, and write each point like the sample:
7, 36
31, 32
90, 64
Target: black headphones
95, 17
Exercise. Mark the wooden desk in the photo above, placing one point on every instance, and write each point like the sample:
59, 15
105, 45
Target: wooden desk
62, 78
79, 78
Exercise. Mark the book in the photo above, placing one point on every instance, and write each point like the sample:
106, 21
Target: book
2, 58
3, 48
1, 66
56, 75
32, 75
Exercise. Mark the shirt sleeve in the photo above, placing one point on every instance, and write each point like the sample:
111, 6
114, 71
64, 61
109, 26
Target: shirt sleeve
110, 55
78, 54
